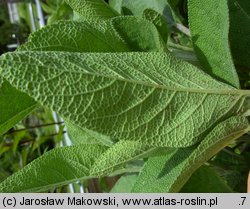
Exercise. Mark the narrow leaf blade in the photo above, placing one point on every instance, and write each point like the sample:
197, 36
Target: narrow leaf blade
58, 167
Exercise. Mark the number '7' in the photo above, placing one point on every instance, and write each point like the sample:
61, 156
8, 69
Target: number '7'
243, 200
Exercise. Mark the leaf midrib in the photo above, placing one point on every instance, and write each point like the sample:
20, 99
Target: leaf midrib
228, 91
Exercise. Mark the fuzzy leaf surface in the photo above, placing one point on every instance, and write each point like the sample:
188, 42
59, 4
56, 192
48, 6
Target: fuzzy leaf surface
96, 39
209, 25
149, 97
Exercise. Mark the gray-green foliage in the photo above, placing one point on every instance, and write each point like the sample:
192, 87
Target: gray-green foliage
125, 97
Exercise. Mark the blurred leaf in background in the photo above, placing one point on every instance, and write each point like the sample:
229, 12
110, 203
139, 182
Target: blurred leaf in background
56, 10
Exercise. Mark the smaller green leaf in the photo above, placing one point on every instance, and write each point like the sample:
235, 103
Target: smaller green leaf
168, 173
138, 33
62, 12
58, 167
80, 135
206, 180
136, 7
92, 10
209, 25
159, 22
124, 184
72, 40
14, 106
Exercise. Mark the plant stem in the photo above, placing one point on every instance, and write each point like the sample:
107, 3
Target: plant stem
33, 127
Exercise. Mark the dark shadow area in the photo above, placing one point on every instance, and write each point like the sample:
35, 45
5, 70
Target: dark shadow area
175, 160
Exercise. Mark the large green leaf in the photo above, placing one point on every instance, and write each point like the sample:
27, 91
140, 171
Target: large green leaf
170, 172
14, 106
239, 11
206, 180
92, 10
58, 167
149, 97
100, 37
209, 25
